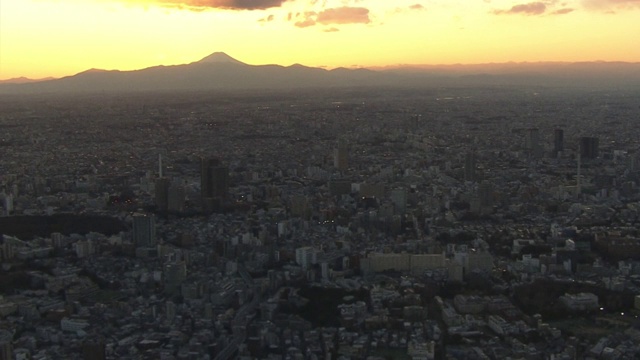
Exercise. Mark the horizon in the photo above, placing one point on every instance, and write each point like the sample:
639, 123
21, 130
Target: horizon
57, 38
373, 68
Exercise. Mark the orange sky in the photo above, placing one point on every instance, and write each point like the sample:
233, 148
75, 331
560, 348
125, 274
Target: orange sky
40, 38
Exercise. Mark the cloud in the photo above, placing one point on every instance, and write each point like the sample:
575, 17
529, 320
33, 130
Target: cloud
219, 4
610, 5
416, 7
305, 23
267, 19
331, 29
332, 16
344, 15
534, 8
563, 11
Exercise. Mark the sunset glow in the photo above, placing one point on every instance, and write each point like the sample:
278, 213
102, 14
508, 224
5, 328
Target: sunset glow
40, 38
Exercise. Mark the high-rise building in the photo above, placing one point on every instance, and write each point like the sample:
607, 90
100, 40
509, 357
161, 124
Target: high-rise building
144, 230
162, 193
558, 141
176, 197
532, 143
174, 275
399, 200
214, 183
470, 167
589, 147
6, 345
341, 156
485, 193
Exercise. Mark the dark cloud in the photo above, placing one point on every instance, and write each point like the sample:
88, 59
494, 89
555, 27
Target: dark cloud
224, 4
534, 8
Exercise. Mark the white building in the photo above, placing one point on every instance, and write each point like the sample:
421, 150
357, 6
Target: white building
68, 324
581, 301
306, 256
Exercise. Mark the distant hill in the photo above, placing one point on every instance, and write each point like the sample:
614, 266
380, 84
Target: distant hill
23, 80
220, 71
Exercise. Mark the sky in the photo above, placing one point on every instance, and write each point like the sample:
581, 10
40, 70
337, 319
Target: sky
42, 38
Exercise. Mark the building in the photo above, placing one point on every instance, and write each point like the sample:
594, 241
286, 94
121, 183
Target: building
214, 183
73, 324
162, 193
339, 187
532, 143
94, 350
500, 326
144, 230
485, 194
176, 198
306, 256
470, 167
580, 302
558, 142
6, 345
174, 275
589, 147
469, 304
402, 262
341, 156
399, 199
482, 261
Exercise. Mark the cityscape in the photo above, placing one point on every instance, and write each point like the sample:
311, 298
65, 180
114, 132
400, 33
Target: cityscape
449, 221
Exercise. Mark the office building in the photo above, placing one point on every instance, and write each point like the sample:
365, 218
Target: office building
532, 143
176, 198
589, 147
341, 157
144, 230
162, 193
174, 275
214, 183
306, 256
558, 142
399, 200
470, 167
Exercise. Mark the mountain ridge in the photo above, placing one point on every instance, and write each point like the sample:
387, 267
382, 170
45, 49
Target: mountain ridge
221, 71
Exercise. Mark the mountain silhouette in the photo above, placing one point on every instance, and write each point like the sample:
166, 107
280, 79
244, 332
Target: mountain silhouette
220, 57
220, 71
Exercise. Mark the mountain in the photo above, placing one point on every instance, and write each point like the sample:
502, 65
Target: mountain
220, 57
216, 71
23, 80
220, 71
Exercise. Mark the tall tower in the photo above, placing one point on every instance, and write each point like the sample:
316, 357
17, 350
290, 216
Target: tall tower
144, 230
214, 183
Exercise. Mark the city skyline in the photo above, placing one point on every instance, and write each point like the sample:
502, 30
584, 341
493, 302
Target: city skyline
59, 38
